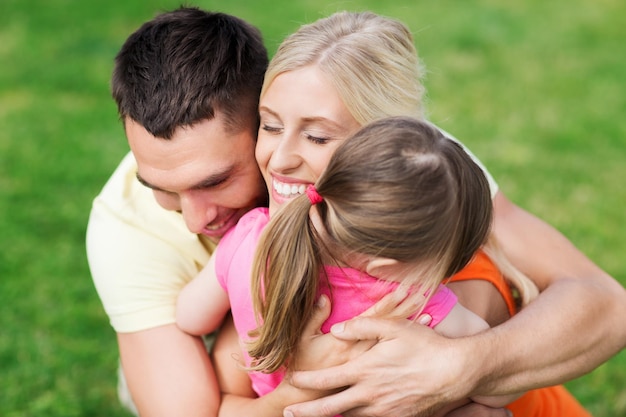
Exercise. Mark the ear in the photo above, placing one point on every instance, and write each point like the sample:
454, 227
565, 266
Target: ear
378, 267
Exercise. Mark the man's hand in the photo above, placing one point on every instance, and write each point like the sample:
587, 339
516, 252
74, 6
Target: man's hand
478, 410
411, 371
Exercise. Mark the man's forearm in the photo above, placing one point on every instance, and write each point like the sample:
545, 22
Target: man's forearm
572, 327
169, 373
554, 339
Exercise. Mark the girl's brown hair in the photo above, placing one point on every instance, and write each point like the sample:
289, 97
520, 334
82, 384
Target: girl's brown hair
397, 189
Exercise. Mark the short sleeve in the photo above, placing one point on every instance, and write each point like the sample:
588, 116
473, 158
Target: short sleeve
234, 254
139, 254
440, 305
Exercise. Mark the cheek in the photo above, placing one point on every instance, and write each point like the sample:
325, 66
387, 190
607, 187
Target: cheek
251, 188
167, 201
319, 161
263, 153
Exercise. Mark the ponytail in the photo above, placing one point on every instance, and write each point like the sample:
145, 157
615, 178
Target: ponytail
285, 275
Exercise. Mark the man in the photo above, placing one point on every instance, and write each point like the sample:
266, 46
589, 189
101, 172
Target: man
187, 85
190, 116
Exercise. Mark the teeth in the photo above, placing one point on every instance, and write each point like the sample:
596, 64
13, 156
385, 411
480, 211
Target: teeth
214, 226
288, 190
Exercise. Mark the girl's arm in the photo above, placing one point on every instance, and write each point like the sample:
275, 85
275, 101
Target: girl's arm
238, 397
463, 322
270, 405
203, 303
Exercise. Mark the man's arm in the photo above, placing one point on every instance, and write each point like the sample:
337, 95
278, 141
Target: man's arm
169, 373
140, 256
580, 310
571, 328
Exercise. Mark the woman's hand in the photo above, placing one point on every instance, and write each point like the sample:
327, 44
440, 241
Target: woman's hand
318, 351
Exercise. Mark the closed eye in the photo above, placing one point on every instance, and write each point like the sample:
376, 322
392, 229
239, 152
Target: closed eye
271, 129
317, 139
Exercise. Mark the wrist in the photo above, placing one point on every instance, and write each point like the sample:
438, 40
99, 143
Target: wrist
483, 363
287, 394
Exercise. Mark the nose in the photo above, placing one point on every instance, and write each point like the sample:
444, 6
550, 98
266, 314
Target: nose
197, 211
286, 156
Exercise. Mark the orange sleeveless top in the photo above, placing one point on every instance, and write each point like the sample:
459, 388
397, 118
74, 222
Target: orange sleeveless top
553, 401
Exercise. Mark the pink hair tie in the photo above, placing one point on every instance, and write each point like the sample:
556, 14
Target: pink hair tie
314, 196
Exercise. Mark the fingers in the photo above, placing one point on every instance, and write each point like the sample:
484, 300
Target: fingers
367, 328
398, 304
327, 379
424, 319
409, 305
320, 315
329, 406
478, 410
385, 305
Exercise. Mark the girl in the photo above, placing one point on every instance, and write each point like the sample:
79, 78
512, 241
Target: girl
399, 202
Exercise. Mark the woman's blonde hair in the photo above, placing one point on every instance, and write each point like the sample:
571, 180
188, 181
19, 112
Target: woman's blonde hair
397, 189
370, 60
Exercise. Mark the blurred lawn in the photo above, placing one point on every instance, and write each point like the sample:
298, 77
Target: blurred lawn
536, 89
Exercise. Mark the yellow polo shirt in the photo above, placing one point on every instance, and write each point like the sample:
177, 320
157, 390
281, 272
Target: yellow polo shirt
140, 255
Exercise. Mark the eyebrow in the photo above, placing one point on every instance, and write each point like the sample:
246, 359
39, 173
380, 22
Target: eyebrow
211, 181
267, 110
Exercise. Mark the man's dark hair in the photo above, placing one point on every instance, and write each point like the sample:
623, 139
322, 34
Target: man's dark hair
184, 66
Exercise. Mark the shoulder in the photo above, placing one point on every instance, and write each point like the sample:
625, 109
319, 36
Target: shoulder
250, 223
241, 240
493, 185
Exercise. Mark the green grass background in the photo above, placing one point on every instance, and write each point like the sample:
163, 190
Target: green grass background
535, 88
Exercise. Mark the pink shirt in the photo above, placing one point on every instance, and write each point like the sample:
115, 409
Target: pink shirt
353, 291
